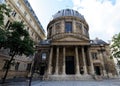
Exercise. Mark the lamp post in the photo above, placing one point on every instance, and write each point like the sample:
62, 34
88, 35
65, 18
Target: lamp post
31, 73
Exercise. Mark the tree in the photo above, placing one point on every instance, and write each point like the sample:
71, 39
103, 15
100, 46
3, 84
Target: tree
19, 43
2, 37
3, 10
115, 47
16, 38
3, 33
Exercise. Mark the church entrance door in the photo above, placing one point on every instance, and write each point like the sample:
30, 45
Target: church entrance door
70, 69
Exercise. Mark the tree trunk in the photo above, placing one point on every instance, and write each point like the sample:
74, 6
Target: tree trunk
7, 69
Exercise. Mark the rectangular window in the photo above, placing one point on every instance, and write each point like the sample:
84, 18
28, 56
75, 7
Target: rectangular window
7, 26
44, 56
14, 13
25, 13
5, 64
18, 4
28, 29
94, 55
17, 66
68, 27
28, 67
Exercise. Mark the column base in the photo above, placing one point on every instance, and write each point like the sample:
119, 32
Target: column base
77, 74
63, 74
55, 74
86, 74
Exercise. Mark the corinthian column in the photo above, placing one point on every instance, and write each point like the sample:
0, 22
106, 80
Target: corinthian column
63, 72
77, 61
84, 61
57, 56
50, 61
91, 62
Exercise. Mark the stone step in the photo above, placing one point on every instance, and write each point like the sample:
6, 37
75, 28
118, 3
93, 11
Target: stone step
69, 77
98, 77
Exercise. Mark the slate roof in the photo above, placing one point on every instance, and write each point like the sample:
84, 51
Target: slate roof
44, 42
98, 42
68, 12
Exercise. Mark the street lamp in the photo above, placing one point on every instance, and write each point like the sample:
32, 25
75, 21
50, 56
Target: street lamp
31, 73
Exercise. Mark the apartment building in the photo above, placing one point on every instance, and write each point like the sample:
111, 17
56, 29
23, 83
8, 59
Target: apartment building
22, 11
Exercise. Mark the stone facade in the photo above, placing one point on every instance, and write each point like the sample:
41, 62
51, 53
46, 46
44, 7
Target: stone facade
23, 12
69, 53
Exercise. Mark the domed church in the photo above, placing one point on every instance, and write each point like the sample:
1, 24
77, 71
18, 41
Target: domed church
68, 53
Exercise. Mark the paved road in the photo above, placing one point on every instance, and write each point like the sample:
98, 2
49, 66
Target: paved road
67, 83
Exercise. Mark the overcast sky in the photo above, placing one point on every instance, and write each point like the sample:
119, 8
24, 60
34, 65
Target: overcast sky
103, 16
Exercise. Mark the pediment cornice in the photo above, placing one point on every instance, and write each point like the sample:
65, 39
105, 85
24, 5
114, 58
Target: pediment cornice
69, 37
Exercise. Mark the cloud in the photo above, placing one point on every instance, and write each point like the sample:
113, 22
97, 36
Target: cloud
60, 0
113, 2
103, 16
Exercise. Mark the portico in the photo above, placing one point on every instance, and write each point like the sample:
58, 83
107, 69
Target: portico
69, 58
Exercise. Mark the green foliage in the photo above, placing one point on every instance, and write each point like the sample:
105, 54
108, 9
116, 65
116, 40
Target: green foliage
3, 33
16, 38
19, 41
3, 10
115, 47
3, 37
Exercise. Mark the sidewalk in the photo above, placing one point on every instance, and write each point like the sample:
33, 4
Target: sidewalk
114, 82
19, 81
25, 82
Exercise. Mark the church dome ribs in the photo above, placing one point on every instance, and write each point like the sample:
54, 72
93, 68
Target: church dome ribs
68, 22
68, 12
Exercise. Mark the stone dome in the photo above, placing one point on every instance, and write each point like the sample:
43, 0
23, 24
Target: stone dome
68, 12
67, 23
